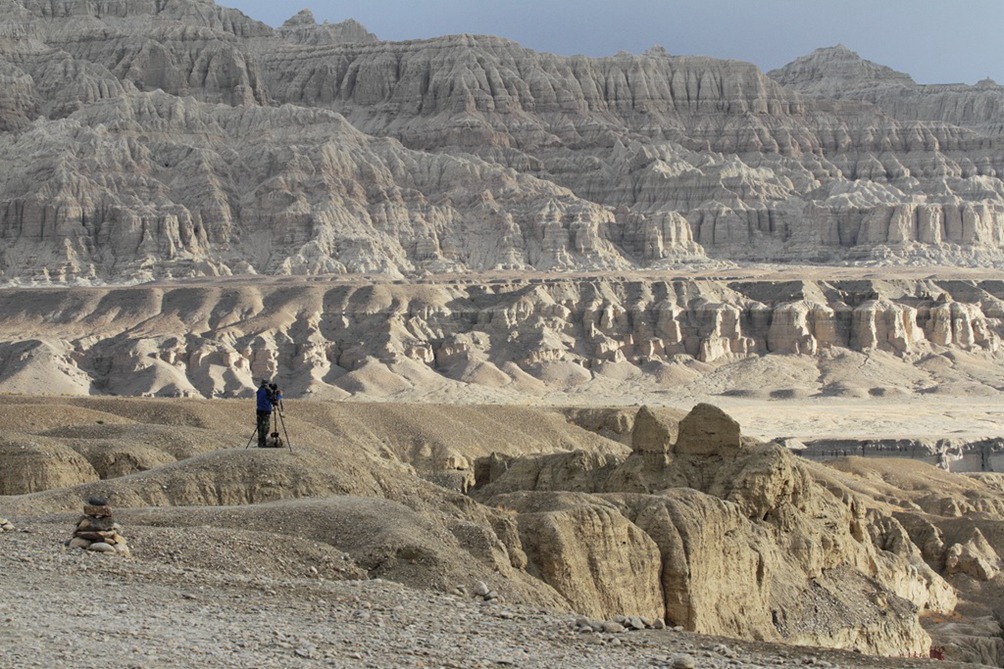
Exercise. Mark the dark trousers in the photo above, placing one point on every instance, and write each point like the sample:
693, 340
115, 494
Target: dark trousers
263, 427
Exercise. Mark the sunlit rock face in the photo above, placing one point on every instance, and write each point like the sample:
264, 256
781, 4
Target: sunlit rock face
215, 338
694, 508
149, 140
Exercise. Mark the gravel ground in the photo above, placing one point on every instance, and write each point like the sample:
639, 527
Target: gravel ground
72, 608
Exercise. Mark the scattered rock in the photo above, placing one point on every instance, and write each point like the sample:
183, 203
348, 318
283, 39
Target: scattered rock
682, 661
613, 627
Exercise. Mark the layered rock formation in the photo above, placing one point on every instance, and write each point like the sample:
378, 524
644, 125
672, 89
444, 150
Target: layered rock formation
507, 336
183, 139
725, 536
837, 73
694, 523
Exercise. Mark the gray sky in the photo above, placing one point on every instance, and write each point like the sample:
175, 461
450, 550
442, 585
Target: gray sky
934, 41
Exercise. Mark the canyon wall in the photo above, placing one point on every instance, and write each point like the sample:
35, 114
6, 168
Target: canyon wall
696, 508
147, 140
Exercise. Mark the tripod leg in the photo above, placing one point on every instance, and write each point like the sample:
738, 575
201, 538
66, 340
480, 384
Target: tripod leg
252, 438
282, 421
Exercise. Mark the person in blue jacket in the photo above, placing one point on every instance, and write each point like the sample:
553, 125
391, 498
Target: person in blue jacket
264, 400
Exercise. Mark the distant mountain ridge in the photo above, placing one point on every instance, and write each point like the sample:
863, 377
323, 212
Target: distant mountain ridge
169, 139
839, 73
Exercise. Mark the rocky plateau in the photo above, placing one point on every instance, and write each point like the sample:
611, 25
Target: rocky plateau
509, 338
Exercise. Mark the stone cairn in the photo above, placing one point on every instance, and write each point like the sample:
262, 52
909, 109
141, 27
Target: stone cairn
96, 531
6, 526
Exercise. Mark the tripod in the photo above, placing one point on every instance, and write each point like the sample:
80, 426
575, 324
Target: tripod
276, 420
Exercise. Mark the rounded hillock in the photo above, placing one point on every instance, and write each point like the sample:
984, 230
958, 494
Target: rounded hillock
223, 478
172, 442
33, 464
37, 415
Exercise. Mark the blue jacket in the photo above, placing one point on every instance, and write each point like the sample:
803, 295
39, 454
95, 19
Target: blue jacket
264, 403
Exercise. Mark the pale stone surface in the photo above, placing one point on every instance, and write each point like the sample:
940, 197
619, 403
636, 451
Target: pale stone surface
707, 430
810, 558
513, 339
182, 139
827, 553
652, 434
101, 547
189, 140
595, 558
976, 558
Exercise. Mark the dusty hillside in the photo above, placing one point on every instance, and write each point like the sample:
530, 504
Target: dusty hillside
237, 618
497, 257
572, 510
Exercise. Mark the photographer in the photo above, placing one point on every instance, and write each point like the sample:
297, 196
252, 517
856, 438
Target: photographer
265, 400
268, 411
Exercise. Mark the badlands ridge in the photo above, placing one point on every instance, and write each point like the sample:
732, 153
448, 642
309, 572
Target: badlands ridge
175, 139
630, 514
546, 326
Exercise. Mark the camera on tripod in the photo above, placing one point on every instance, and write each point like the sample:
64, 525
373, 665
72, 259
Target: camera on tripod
269, 418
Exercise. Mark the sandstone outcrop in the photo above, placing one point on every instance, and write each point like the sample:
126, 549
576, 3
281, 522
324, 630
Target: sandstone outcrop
839, 554
714, 509
975, 558
303, 29
613, 568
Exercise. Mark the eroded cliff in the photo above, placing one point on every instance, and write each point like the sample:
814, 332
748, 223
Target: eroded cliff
723, 535
504, 336
152, 140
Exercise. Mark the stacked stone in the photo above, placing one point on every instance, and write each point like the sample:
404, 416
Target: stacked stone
96, 531
6, 525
